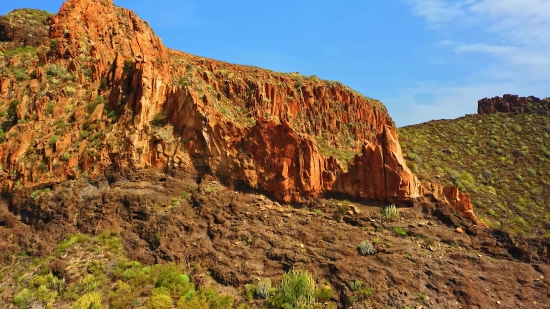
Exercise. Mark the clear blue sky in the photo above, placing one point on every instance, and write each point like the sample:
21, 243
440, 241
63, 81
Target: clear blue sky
424, 59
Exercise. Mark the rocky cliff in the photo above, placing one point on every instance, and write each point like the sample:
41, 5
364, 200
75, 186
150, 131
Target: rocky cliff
513, 104
104, 91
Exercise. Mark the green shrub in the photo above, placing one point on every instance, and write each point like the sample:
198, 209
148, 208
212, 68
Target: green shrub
160, 299
366, 248
263, 288
20, 74
23, 299
324, 294
399, 231
84, 134
49, 107
356, 285
53, 140
56, 70
88, 301
53, 44
12, 108
391, 212
35, 193
296, 290
414, 157
90, 107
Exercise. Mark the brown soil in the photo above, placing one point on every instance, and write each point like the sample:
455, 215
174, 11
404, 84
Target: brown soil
243, 236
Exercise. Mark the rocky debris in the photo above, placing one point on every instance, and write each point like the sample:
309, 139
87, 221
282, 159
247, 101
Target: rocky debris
513, 104
239, 237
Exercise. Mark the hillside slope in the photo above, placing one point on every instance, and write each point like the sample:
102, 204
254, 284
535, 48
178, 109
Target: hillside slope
500, 157
232, 241
119, 156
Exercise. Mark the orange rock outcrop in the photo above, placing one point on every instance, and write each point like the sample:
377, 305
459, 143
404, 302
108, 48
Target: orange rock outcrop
139, 104
509, 103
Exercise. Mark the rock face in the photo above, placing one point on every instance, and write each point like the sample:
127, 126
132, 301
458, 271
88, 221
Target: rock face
129, 101
513, 104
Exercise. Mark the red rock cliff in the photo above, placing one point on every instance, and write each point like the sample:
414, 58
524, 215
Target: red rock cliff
513, 104
126, 100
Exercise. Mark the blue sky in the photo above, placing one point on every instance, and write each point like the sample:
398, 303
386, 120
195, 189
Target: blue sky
424, 59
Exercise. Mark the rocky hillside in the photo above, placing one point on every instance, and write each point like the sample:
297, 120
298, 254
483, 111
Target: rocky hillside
104, 91
135, 176
500, 157
23, 28
106, 242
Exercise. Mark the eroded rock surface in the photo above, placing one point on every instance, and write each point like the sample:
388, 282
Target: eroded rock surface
509, 103
111, 94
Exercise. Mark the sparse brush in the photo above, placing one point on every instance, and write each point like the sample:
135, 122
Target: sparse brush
262, 288
88, 300
23, 299
56, 70
356, 285
366, 248
297, 289
391, 212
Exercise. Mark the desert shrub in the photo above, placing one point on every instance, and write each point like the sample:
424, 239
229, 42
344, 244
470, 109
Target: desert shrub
84, 134
121, 296
399, 231
324, 294
356, 285
94, 267
414, 157
296, 291
53, 44
53, 140
263, 288
69, 90
170, 277
23, 299
90, 282
90, 107
65, 156
56, 70
49, 107
20, 74
60, 123
391, 212
88, 301
12, 108
25, 50
366, 248
35, 193
160, 299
